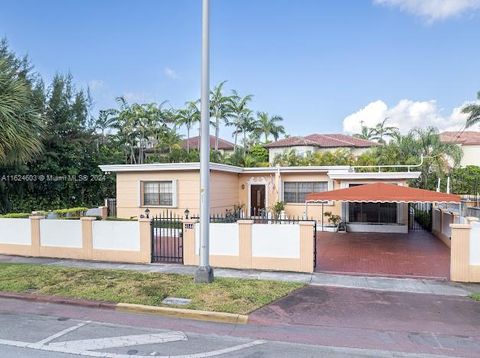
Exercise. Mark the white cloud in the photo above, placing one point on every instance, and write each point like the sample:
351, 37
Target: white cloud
170, 73
405, 115
433, 10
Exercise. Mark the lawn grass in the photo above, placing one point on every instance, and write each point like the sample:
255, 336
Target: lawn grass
476, 296
223, 295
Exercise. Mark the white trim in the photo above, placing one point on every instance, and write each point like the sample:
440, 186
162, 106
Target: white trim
377, 176
300, 169
218, 167
167, 167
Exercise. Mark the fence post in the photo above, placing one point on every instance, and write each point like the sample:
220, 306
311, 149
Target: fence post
103, 212
145, 237
460, 253
245, 243
35, 232
307, 246
189, 254
87, 237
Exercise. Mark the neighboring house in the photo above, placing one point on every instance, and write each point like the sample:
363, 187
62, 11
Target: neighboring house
469, 142
317, 143
224, 146
176, 187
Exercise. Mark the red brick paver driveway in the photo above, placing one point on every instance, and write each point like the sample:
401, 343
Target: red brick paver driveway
417, 254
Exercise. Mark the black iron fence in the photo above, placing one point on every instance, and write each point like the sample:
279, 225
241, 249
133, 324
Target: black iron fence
167, 238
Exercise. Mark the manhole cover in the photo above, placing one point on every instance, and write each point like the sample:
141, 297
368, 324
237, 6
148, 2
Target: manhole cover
176, 301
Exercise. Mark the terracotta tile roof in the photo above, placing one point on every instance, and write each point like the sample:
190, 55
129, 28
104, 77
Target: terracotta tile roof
195, 143
464, 138
323, 141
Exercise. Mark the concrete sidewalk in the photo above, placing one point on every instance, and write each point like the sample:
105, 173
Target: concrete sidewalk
409, 285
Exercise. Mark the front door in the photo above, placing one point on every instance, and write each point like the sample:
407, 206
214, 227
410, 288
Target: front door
257, 199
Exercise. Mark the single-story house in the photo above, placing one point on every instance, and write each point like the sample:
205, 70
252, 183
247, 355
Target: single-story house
318, 143
176, 187
468, 141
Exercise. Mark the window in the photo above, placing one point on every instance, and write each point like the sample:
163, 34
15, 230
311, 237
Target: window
295, 192
158, 193
379, 213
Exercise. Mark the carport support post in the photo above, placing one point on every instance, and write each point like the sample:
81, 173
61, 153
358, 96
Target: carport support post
204, 273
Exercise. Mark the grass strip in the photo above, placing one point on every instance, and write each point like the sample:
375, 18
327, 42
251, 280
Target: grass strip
223, 295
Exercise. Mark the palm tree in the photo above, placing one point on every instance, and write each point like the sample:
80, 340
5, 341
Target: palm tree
266, 126
365, 133
220, 106
381, 130
238, 107
245, 125
20, 122
473, 111
187, 117
106, 120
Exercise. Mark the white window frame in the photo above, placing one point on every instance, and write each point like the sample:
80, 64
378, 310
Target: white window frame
174, 193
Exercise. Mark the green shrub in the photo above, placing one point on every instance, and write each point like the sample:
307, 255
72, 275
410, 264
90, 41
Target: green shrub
16, 216
71, 211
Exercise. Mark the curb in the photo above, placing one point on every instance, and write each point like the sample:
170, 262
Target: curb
210, 316
185, 313
59, 300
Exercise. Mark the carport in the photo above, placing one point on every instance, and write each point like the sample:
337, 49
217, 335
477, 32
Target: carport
381, 249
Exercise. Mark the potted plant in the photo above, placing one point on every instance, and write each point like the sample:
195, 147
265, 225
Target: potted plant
277, 209
333, 220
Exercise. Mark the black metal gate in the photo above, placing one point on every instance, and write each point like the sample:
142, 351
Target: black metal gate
167, 238
420, 217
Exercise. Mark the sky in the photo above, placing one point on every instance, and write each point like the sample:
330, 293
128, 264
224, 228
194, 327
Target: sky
325, 66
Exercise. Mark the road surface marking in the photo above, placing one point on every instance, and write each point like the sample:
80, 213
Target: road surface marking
120, 341
62, 333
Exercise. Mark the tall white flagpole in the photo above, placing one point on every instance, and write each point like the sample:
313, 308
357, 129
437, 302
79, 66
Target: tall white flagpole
204, 273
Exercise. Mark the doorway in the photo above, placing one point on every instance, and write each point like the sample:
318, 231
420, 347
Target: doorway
257, 199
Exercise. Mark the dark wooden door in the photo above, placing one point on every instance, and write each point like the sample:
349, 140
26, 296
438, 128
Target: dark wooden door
257, 199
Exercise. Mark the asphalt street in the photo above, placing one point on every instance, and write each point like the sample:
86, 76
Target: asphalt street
313, 322
28, 335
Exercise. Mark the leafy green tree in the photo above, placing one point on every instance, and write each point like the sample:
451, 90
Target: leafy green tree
267, 126
473, 111
466, 180
21, 125
259, 153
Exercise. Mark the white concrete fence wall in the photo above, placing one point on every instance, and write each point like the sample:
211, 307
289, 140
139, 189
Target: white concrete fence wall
15, 232
475, 243
441, 221
283, 247
465, 252
276, 241
88, 239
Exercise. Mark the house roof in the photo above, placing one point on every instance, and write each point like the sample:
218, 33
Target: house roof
323, 141
384, 193
461, 137
195, 143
